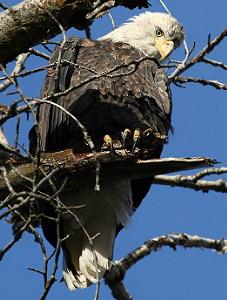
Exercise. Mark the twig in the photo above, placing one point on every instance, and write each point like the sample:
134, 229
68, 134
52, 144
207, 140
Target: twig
100, 10
12, 111
182, 65
165, 7
200, 185
200, 56
215, 63
3, 6
13, 242
206, 172
16, 142
112, 20
39, 53
206, 82
19, 66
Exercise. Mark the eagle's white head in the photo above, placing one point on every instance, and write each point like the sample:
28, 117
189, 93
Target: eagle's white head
155, 34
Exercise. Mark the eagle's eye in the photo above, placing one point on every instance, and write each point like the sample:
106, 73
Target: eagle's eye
159, 32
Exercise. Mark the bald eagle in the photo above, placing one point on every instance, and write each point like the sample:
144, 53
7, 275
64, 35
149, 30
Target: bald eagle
118, 91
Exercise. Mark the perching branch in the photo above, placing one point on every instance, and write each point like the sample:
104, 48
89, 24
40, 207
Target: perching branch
80, 168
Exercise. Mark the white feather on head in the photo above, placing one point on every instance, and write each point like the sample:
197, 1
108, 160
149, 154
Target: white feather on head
140, 31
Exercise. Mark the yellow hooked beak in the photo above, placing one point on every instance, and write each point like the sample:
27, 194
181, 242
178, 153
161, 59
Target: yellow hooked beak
164, 47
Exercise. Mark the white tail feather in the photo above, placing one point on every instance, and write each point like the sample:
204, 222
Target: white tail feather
95, 259
100, 217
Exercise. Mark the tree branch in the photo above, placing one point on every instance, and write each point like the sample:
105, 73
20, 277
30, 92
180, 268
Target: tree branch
186, 182
28, 23
200, 56
119, 268
80, 168
214, 83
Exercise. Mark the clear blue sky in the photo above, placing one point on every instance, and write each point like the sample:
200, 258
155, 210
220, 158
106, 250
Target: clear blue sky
199, 119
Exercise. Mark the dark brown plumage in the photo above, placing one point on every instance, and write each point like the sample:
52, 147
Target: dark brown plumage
121, 91
112, 86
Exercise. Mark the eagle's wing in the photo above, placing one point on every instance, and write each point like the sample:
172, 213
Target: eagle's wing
102, 72
108, 87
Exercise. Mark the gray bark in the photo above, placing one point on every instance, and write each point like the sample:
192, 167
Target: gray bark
81, 168
33, 21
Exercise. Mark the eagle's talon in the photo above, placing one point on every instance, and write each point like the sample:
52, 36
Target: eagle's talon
125, 137
109, 142
147, 132
160, 137
136, 138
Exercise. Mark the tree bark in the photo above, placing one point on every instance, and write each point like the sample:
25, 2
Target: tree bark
31, 22
80, 169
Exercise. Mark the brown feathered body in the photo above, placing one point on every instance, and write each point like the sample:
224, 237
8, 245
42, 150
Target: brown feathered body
109, 87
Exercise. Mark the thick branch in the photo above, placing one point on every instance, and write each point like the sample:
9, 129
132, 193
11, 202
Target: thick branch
29, 23
80, 168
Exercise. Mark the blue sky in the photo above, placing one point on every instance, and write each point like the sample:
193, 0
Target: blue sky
199, 119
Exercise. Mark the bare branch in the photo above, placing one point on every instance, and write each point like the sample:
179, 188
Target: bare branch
119, 268
172, 241
165, 7
206, 172
14, 240
112, 20
32, 16
8, 112
3, 6
206, 82
39, 53
200, 56
82, 167
215, 63
100, 9
185, 181
4, 154
182, 65
19, 66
